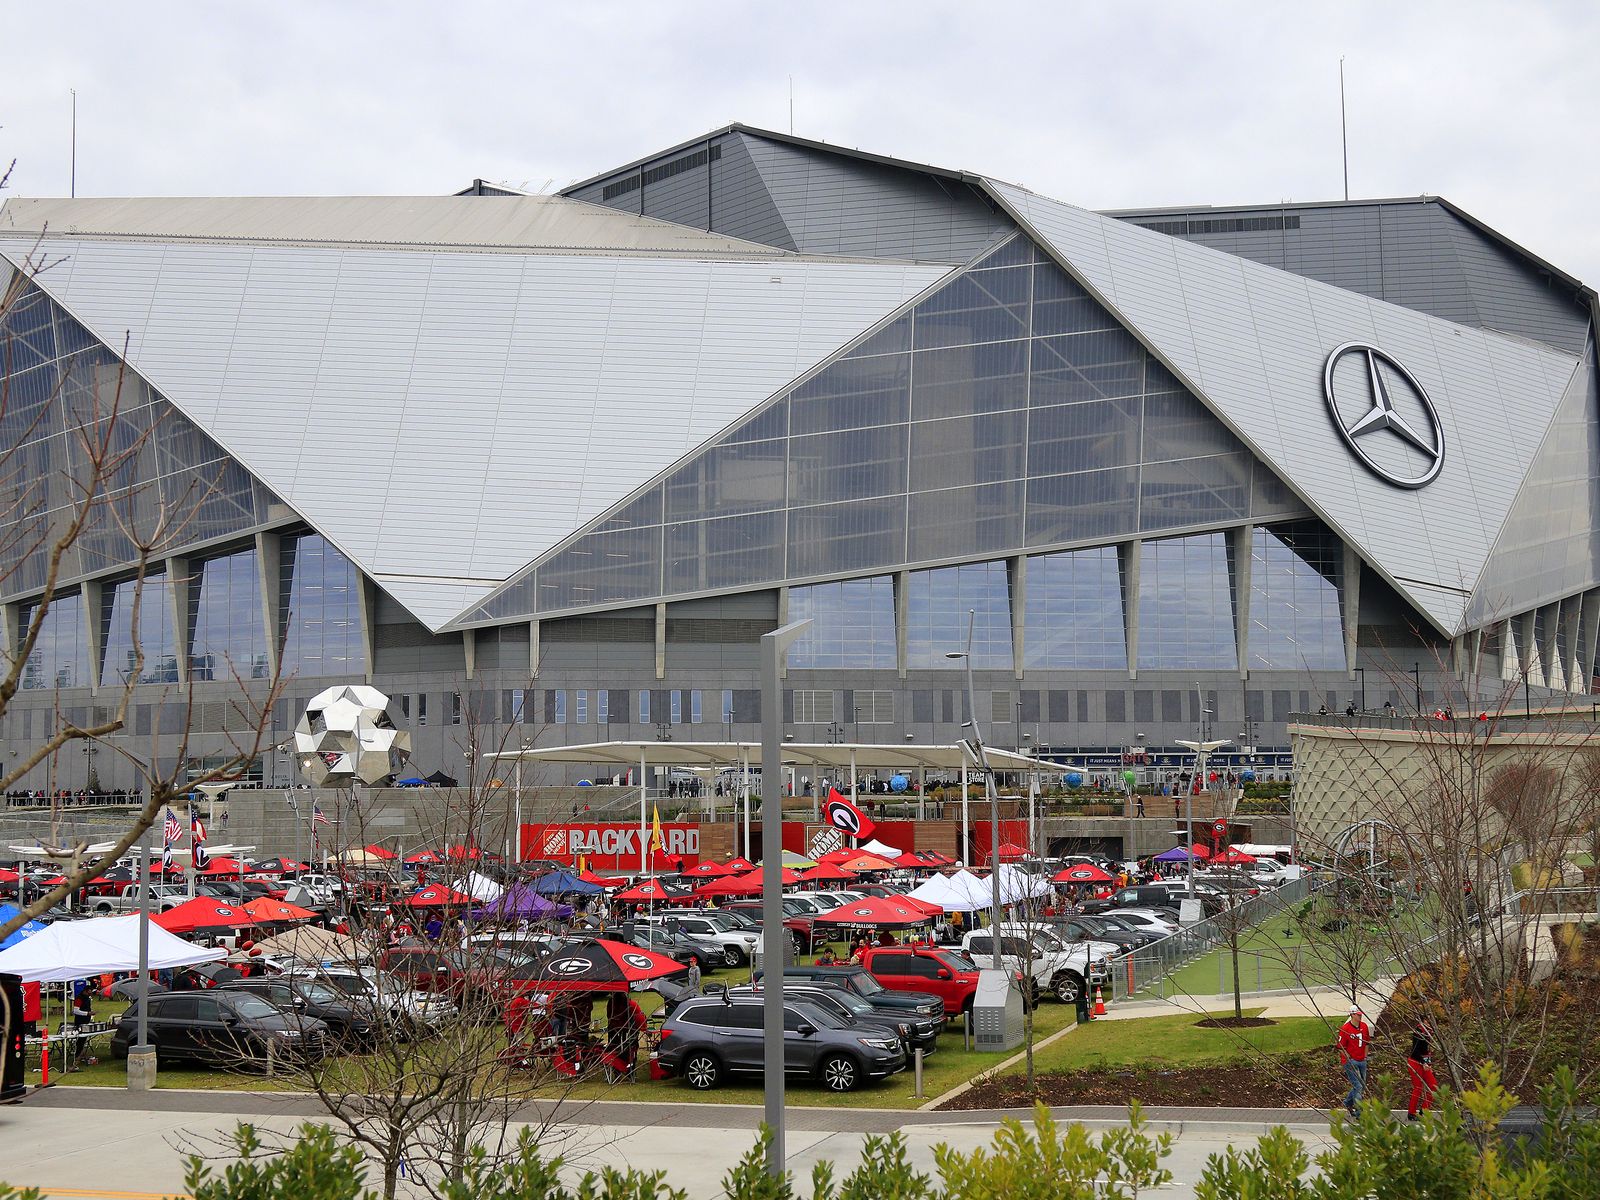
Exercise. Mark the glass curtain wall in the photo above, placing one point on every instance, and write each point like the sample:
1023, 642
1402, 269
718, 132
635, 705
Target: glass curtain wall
1073, 615
156, 641
940, 604
225, 614
60, 657
320, 610
1007, 410
1186, 605
1295, 582
852, 624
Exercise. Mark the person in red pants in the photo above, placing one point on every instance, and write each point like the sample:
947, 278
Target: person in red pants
1420, 1063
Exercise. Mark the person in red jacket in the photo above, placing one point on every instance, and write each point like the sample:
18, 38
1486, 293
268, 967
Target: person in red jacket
1420, 1063
1353, 1039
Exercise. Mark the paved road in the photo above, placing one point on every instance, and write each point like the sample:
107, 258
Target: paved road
105, 1144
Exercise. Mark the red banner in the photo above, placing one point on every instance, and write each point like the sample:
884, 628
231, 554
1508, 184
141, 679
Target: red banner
607, 846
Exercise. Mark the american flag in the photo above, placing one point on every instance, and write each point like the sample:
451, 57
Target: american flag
171, 829
316, 816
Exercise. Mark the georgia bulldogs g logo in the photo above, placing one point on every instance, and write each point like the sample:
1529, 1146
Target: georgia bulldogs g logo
637, 961
841, 814
569, 967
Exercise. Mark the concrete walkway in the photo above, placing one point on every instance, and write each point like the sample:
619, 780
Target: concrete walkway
1328, 1003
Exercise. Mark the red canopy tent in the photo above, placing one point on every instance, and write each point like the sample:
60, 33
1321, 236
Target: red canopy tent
378, 851
842, 854
1010, 852
731, 885
278, 866
424, 856
1233, 855
827, 873
226, 866
739, 864
589, 876
651, 891
8, 876
708, 870
877, 912
266, 910
436, 895
1082, 873
862, 860
597, 966
927, 906
202, 914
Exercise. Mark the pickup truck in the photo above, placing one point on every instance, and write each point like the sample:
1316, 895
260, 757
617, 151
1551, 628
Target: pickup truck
1059, 967
162, 897
947, 974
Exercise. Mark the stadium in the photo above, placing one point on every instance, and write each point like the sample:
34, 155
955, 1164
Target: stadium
547, 467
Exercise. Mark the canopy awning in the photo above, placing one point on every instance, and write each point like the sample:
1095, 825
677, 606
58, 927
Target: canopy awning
78, 949
839, 756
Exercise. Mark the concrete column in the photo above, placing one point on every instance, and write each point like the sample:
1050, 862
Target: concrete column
1587, 630
1019, 602
1350, 608
10, 633
533, 649
182, 628
469, 648
93, 591
661, 641
902, 589
1243, 563
369, 621
783, 619
1572, 671
1130, 603
269, 566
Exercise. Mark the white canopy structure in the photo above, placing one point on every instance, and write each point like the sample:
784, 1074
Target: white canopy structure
939, 890
879, 848
78, 949
479, 887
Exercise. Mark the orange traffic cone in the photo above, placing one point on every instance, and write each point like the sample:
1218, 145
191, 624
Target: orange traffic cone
1099, 1004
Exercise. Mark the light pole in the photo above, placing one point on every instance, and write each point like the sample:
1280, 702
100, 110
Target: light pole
142, 1057
988, 786
1201, 750
773, 934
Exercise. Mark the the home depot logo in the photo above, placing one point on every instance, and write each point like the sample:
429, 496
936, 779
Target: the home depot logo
555, 843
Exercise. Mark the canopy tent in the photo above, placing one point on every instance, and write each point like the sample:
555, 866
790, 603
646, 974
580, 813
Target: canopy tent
8, 912
364, 858
1233, 856
1179, 854
222, 865
562, 882
440, 779
967, 885
521, 902
1016, 884
652, 892
862, 861
1081, 873
600, 881
1010, 852
732, 885
827, 873
268, 911
479, 887
788, 876
881, 850
377, 851
312, 943
598, 966
70, 950
278, 866
798, 862
424, 858
437, 895
708, 870
926, 906
203, 914
877, 912
739, 865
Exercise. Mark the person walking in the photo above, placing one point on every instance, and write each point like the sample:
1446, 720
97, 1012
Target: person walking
1353, 1039
1420, 1063
693, 980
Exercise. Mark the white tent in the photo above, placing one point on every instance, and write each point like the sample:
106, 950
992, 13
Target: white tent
479, 887
977, 891
1016, 884
939, 890
877, 847
78, 949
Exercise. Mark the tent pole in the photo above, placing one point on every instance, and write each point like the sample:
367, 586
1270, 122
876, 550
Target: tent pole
644, 845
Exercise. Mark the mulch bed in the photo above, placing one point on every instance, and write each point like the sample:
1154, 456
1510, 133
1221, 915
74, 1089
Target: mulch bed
1307, 1080
1234, 1022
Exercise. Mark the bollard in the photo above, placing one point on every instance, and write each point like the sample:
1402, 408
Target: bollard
917, 1066
44, 1060
270, 1061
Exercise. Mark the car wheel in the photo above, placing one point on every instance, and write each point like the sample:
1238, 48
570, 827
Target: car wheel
731, 956
840, 1073
702, 1071
1068, 987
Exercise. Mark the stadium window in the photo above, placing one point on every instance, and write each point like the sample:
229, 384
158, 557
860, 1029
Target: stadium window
422, 708
561, 706
1000, 708
455, 708
813, 708
519, 699
727, 705
405, 709
581, 706
602, 707
644, 707
874, 708
694, 708
677, 707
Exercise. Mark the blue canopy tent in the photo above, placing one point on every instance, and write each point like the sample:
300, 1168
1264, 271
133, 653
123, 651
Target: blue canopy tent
564, 883
9, 911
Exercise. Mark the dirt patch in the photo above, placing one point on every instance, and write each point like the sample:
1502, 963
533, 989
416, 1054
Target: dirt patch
1234, 1022
1309, 1080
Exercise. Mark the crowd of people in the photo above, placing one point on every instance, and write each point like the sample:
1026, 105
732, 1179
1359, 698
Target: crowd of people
72, 797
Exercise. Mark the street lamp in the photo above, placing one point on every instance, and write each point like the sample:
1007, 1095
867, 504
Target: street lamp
1416, 675
1361, 684
965, 656
1201, 749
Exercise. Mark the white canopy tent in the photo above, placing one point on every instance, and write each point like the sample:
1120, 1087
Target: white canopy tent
78, 949
938, 890
479, 887
878, 848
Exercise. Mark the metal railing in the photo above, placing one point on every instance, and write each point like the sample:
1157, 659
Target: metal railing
1150, 966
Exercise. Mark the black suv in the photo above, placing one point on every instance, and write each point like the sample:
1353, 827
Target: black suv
858, 980
222, 1028
918, 1032
303, 998
708, 1038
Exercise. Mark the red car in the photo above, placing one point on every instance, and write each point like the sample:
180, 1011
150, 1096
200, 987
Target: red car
948, 974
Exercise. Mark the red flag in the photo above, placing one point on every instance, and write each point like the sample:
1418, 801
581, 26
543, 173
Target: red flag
842, 814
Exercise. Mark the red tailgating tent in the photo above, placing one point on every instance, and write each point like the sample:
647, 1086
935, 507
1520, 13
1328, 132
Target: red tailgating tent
731, 885
1082, 873
203, 913
878, 912
436, 895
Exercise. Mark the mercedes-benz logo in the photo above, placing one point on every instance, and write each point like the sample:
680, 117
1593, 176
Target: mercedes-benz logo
1384, 415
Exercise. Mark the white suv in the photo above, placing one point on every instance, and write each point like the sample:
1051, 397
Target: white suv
1064, 969
738, 944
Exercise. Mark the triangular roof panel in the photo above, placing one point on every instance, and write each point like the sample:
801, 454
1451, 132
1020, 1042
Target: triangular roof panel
1252, 341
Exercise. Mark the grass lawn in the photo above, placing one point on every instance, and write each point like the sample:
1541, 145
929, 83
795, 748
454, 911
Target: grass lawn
1175, 1041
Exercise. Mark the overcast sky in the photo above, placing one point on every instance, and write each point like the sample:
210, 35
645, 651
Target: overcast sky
1105, 105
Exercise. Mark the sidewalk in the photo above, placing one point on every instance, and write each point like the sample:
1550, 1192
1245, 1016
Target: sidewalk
1328, 1003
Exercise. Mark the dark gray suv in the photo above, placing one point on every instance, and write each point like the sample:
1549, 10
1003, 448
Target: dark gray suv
711, 1037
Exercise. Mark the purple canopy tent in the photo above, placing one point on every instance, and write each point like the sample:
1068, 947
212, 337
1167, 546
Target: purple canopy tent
522, 903
1176, 854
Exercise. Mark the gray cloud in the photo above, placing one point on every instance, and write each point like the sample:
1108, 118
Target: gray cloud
1105, 106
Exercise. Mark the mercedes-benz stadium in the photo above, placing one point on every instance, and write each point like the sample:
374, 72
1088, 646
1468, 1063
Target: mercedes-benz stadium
557, 462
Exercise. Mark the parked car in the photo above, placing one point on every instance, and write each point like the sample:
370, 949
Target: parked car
738, 944
304, 997
798, 920
384, 996
1163, 921
711, 1037
1165, 894
680, 946
1062, 968
1105, 928
948, 974
916, 1030
853, 978
221, 1028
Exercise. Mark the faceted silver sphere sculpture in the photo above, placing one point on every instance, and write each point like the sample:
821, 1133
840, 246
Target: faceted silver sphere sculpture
346, 737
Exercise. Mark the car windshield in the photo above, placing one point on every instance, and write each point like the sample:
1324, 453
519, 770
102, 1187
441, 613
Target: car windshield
351, 985
253, 1007
795, 908
720, 924
319, 993
1045, 939
849, 1000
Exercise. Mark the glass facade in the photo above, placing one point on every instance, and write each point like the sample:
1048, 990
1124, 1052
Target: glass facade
320, 610
852, 624
1295, 607
940, 605
156, 640
63, 387
60, 657
1008, 410
225, 615
1186, 605
1073, 615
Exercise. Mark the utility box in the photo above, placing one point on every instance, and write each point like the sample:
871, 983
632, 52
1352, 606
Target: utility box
996, 1013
